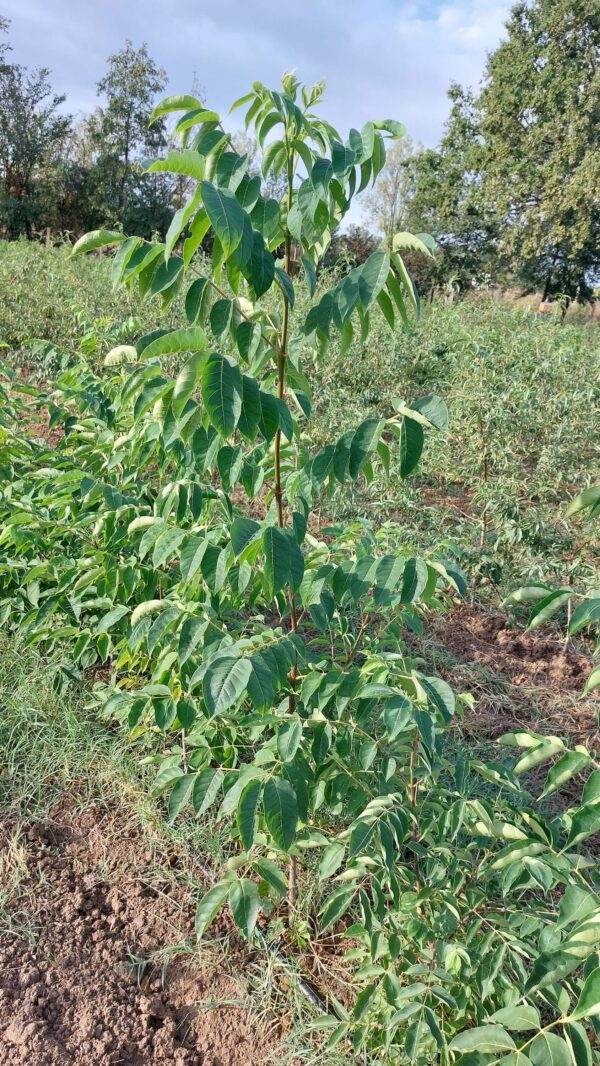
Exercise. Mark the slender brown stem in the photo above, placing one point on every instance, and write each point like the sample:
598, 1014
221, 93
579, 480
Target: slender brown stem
292, 886
281, 518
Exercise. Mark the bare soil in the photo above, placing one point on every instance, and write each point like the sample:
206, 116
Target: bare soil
80, 982
517, 678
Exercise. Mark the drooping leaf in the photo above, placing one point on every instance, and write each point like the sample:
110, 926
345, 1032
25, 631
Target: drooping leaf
284, 561
246, 811
281, 811
226, 216
210, 905
245, 904
222, 393
411, 444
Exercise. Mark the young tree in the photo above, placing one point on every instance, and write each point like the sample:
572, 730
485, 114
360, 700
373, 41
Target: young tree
540, 110
32, 134
387, 203
123, 138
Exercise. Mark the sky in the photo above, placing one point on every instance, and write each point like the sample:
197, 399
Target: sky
381, 58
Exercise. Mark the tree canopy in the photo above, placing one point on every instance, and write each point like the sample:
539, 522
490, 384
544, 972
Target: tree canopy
512, 189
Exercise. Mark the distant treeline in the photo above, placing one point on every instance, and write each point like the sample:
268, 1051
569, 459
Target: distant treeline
511, 193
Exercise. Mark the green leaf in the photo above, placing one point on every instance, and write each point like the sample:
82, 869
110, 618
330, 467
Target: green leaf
585, 614
272, 875
248, 336
411, 444
245, 904
252, 411
549, 1050
164, 277
518, 1019
567, 766
285, 284
224, 683
578, 1043
184, 102
372, 277
222, 392
331, 860
180, 795
193, 339
284, 561
588, 1004
97, 238
186, 382
360, 837
206, 789
585, 822
210, 905
191, 555
487, 1039
166, 546
243, 532
434, 409
588, 498
109, 619
226, 216
414, 580
262, 683
364, 441
408, 242
576, 904
281, 811
547, 607
593, 681
289, 736
261, 268
180, 161
221, 314
335, 906
246, 811
193, 299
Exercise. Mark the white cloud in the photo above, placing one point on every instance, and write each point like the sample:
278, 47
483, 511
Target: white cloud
385, 58
381, 58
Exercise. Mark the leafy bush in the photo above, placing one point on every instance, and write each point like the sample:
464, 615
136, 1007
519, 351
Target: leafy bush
171, 534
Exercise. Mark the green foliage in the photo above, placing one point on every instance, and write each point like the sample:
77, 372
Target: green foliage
264, 657
508, 190
32, 132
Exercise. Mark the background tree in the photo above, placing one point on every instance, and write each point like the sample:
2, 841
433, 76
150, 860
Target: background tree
122, 138
386, 206
540, 121
32, 135
446, 195
351, 248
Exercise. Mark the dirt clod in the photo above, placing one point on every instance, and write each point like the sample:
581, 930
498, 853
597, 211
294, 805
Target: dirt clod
77, 985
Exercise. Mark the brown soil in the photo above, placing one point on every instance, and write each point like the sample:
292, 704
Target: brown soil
520, 679
78, 980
